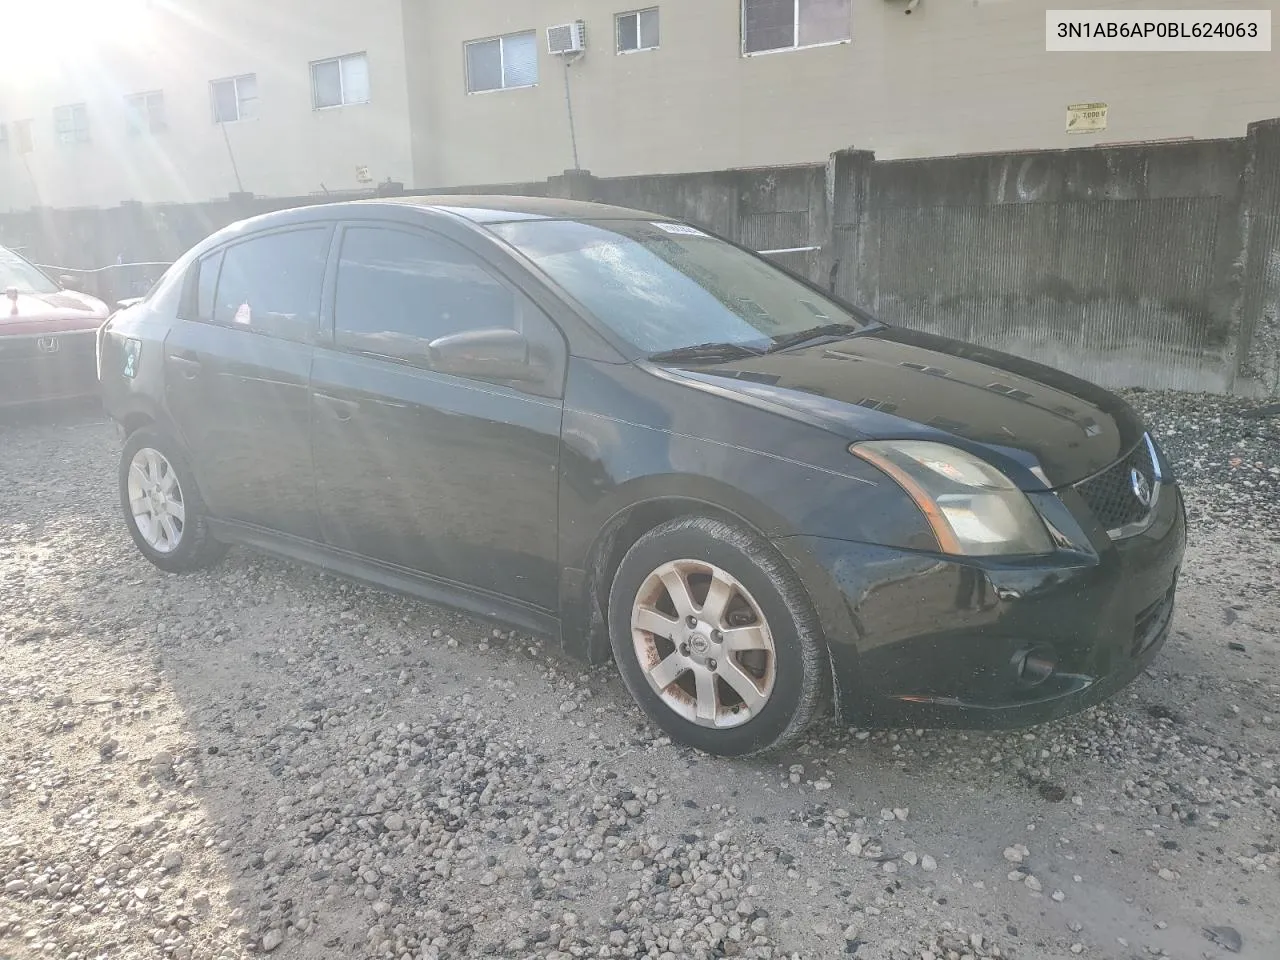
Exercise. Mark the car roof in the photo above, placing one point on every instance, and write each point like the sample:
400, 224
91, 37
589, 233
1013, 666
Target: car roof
482, 208
475, 209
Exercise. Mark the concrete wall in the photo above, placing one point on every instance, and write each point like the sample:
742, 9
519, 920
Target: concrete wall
956, 76
1151, 265
1116, 264
178, 48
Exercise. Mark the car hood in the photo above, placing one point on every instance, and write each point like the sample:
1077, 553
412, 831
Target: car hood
1044, 428
47, 313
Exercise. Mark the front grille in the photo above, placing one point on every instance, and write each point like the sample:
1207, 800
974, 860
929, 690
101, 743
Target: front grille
1110, 494
28, 372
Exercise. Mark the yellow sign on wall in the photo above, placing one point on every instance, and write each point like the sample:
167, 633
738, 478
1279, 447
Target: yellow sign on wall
1086, 117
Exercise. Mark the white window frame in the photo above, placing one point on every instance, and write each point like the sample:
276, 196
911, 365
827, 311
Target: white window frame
617, 40
502, 53
139, 105
79, 134
4, 138
235, 81
795, 33
342, 87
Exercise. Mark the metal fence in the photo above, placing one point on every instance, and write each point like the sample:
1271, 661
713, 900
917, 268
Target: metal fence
112, 283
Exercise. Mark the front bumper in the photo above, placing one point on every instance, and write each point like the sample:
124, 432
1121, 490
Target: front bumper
921, 639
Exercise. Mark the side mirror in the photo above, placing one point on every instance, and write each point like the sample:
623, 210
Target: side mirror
67, 281
490, 354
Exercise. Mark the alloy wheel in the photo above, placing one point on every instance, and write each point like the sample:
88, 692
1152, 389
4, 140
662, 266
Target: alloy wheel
155, 500
703, 643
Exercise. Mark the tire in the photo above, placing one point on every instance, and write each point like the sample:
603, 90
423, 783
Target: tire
766, 607
183, 544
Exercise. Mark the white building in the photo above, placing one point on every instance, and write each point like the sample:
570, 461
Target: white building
180, 100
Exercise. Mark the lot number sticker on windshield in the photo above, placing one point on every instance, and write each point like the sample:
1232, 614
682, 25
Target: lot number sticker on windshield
679, 228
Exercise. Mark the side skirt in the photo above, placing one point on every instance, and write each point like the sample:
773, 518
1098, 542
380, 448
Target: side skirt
390, 577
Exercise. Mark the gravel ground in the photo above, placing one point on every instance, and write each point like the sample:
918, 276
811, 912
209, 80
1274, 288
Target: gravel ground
265, 759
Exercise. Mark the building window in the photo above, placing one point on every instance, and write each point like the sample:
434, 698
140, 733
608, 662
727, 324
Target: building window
340, 81
502, 62
146, 113
72, 123
235, 98
789, 24
638, 30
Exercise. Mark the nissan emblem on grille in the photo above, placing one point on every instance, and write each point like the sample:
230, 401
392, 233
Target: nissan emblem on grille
1141, 486
47, 344
1123, 494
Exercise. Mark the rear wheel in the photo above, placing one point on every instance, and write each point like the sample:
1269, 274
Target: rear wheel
716, 639
162, 506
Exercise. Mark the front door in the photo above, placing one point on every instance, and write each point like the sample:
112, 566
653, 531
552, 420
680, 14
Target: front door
443, 475
237, 368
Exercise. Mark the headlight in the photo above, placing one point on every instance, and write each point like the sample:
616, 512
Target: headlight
973, 508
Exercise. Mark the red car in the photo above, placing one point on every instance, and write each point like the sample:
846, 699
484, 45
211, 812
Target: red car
47, 336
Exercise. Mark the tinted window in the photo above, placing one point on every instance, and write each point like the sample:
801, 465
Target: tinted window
271, 284
398, 291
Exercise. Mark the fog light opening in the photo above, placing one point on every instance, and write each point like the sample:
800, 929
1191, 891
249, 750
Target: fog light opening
1034, 666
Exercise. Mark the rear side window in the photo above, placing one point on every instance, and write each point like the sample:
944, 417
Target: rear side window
397, 291
271, 284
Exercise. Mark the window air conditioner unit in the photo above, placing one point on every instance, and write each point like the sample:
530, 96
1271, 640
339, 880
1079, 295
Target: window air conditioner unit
567, 38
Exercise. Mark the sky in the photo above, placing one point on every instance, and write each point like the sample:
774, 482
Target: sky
44, 37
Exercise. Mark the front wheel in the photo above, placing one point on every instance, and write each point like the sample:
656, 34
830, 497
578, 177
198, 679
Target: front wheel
716, 639
162, 506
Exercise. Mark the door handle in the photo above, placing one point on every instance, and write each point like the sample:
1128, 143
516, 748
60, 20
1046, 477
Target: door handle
188, 363
341, 409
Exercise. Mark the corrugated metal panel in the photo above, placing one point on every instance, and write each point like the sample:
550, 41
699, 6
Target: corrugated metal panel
775, 231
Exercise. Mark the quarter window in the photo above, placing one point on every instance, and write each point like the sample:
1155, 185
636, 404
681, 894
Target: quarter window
638, 30
146, 113
789, 24
235, 98
271, 284
502, 63
398, 291
340, 81
207, 286
72, 123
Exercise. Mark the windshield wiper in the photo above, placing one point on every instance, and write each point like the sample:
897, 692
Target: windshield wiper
707, 351
804, 337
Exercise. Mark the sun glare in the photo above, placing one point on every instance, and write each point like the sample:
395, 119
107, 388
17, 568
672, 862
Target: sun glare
54, 33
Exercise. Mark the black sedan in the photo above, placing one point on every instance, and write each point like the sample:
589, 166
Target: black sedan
657, 446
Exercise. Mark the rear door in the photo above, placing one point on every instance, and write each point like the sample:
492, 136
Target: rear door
236, 376
453, 477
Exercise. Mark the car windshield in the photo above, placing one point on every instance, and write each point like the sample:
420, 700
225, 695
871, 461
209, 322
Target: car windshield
17, 272
666, 287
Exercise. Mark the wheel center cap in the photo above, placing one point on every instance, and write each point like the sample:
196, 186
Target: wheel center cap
699, 644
